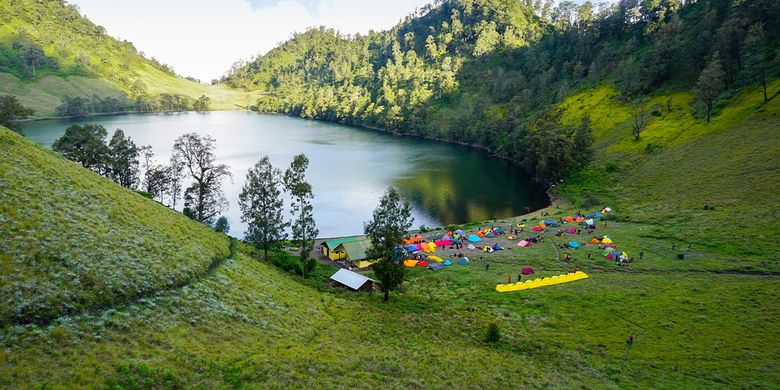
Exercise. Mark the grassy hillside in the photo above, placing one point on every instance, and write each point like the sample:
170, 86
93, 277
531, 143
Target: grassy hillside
681, 164
49, 50
73, 241
702, 322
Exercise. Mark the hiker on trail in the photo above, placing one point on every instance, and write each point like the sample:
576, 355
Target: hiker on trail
588, 256
641, 255
674, 246
690, 244
519, 276
487, 265
579, 232
605, 225
630, 340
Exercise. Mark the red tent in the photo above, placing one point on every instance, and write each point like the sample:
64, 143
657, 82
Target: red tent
422, 264
527, 271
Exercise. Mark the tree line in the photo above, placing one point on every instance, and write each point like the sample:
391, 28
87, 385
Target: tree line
81, 106
484, 71
134, 167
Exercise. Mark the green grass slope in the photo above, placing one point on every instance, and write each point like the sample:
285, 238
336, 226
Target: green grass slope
681, 164
72, 240
80, 59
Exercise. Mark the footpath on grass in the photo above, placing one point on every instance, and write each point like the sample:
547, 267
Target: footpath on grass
135, 298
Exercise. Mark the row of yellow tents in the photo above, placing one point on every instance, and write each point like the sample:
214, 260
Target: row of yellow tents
547, 281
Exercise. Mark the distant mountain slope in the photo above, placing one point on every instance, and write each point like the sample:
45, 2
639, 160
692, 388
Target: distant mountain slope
73, 240
481, 71
48, 50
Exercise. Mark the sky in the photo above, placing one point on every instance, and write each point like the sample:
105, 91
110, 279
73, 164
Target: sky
203, 38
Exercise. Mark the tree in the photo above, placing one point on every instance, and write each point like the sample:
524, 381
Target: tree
261, 206
85, 145
639, 118
11, 112
390, 223
175, 178
204, 197
756, 55
549, 147
202, 104
304, 230
32, 57
711, 84
222, 225
583, 139
123, 160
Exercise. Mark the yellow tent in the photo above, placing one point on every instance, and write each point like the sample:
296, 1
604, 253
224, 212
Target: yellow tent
435, 258
410, 263
606, 240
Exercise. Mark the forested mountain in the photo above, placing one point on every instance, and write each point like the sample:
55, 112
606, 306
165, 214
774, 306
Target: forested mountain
492, 72
49, 51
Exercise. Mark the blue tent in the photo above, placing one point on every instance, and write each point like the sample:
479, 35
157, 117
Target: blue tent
498, 230
490, 235
597, 214
463, 261
460, 231
447, 262
474, 238
574, 244
411, 248
497, 247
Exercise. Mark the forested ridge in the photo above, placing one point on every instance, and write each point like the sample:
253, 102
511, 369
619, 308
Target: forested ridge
492, 72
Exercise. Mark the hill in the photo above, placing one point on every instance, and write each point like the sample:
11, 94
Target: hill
48, 50
484, 71
74, 242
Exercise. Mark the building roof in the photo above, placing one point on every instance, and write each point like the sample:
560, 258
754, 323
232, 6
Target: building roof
334, 242
356, 250
350, 279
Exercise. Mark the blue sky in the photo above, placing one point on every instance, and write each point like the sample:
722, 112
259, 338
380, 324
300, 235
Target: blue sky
202, 38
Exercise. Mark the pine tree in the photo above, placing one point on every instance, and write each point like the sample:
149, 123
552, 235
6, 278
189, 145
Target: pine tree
304, 229
261, 206
756, 55
711, 84
123, 160
390, 223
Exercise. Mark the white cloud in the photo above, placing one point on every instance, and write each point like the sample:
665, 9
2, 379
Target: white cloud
202, 38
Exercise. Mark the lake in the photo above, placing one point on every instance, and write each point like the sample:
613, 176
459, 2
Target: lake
350, 167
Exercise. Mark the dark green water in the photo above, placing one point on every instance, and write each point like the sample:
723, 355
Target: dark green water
350, 168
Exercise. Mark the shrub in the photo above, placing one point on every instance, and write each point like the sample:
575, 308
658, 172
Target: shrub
493, 333
590, 202
612, 166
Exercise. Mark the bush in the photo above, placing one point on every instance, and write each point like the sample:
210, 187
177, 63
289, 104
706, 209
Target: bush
590, 202
612, 166
493, 333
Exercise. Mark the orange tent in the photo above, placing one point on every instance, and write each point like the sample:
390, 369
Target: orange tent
481, 234
569, 219
595, 241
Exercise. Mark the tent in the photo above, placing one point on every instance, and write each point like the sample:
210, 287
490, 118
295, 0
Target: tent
460, 232
524, 243
480, 234
498, 231
463, 261
606, 251
474, 238
521, 226
609, 246
471, 246
443, 242
570, 230
607, 209
422, 264
527, 271
595, 241
412, 248
435, 258
550, 222
579, 219
569, 219
497, 247
436, 266
447, 262
597, 214
574, 244
589, 222
489, 235
410, 263
606, 240
537, 229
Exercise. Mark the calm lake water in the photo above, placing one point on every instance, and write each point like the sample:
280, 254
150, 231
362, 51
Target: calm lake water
350, 168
